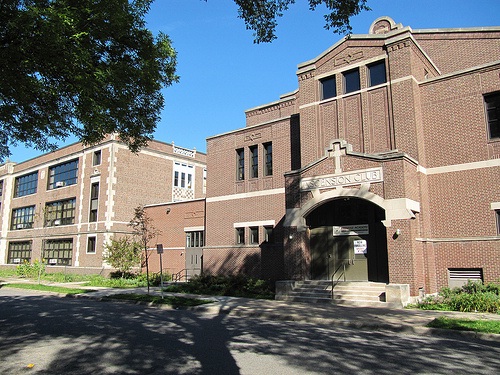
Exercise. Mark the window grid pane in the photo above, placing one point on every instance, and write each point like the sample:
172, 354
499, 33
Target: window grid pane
58, 252
91, 242
241, 164
23, 218
60, 212
94, 201
63, 174
19, 252
268, 149
26, 185
254, 151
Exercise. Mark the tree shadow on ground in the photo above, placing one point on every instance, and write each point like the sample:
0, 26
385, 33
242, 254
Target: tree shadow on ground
80, 336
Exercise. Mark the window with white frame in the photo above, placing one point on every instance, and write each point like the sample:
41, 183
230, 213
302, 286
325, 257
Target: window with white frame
22, 218
183, 184
195, 238
254, 235
94, 201
19, 252
26, 185
91, 244
60, 212
63, 174
58, 252
240, 236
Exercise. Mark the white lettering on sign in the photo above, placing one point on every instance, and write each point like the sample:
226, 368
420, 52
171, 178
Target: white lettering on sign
344, 179
351, 230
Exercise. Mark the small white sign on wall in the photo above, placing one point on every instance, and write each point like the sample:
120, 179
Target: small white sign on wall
360, 247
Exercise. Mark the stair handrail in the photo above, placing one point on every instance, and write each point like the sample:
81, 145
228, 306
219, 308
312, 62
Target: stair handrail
178, 276
341, 275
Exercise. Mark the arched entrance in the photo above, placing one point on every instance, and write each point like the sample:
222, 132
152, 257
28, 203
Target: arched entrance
348, 241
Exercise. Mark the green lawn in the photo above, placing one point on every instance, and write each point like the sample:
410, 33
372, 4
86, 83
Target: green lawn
484, 326
49, 288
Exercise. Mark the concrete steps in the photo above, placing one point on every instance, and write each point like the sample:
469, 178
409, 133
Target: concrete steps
353, 293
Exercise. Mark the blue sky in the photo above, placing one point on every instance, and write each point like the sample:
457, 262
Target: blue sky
223, 73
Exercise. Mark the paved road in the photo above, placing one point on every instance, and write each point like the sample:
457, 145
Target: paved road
78, 336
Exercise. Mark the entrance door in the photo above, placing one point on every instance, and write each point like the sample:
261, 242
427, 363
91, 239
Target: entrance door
350, 263
348, 240
194, 258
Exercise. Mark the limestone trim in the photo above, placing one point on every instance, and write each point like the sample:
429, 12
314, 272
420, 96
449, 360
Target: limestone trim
491, 163
255, 194
194, 229
395, 209
495, 205
260, 223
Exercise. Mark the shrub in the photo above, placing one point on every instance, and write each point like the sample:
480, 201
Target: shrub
471, 297
236, 286
31, 270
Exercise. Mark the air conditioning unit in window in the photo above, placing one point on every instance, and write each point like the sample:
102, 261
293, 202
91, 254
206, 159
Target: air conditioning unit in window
57, 222
21, 226
16, 260
52, 262
60, 184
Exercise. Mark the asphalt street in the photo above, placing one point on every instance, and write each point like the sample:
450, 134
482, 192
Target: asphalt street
48, 334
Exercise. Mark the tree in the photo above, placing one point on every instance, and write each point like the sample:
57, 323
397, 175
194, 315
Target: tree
123, 254
144, 231
82, 67
261, 16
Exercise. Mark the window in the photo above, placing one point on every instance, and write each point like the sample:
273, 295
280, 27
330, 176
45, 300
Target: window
492, 104
60, 212
63, 174
96, 159
351, 81
269, 234
497, 213
25, 185
22, 218
328, 88
183, 175
240, 155
1, 189
268, 159
19, 252
254, 170
240, 236
254, 235
194, 239
376, 73
94, 201
58, 252
91, 242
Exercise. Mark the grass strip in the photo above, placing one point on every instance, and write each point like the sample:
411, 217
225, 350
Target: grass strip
49, 288
484, 326
174, 301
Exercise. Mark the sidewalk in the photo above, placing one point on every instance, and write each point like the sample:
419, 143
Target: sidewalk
409, 321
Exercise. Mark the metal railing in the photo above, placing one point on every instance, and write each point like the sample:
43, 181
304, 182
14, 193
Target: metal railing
341, 275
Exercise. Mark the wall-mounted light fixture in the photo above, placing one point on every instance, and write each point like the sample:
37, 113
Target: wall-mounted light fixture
398, 232
168, 210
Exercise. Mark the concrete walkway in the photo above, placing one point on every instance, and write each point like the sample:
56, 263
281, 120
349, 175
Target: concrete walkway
370, 318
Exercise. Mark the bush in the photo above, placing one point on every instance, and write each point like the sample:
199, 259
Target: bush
471, 297
236, 286
31, 271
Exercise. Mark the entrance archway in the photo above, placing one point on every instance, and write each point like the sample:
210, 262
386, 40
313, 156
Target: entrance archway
348, 241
